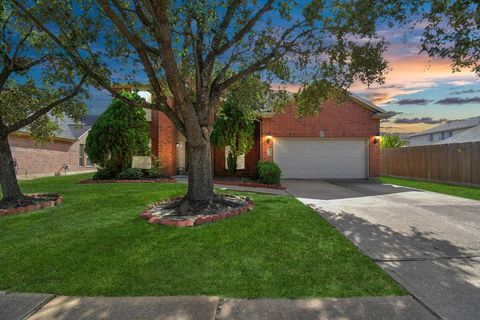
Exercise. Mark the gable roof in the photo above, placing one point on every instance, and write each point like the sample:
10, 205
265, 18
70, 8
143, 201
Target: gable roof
68, 130
451, 125
379, 112
470, 135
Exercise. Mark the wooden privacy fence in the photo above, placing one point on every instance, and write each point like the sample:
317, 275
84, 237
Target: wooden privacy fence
456, 162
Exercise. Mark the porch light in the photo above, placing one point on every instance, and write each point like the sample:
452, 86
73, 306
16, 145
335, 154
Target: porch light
268, 137
377, 138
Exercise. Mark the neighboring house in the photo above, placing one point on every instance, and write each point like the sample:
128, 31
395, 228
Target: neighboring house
64, 154
340, 142
450, 132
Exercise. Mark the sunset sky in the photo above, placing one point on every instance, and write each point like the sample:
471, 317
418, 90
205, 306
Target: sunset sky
423, 92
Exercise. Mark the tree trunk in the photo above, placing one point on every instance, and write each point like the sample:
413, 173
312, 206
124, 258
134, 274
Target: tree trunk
200, 180
11, 190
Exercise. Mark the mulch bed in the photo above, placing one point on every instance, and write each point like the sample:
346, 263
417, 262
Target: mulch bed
251, 184
32, 202
152, 180
157, 214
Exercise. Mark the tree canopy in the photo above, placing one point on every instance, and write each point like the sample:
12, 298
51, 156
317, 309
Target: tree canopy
453, 31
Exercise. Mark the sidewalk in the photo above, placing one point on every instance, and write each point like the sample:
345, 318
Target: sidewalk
15, 306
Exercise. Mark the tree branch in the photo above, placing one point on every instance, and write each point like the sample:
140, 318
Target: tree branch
246, 29
4, 74
161, 104
37, 114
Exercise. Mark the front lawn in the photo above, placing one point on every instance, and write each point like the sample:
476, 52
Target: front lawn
459, 191
95, 244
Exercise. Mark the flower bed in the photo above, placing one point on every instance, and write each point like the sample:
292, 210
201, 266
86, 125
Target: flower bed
251, 184
34, 202
154, 215
92, 181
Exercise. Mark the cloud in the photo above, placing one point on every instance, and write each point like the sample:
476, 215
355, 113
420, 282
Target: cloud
427, 120
413, 102
466, 91
458, 100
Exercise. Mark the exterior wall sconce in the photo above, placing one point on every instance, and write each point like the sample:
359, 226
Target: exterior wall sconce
377, 138
268, 137
177, 145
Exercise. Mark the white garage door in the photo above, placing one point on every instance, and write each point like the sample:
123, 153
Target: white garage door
321, 158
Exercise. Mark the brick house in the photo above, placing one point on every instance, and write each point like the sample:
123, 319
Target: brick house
340, 142
64, 154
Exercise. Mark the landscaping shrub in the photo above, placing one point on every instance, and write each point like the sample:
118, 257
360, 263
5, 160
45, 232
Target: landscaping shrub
104, 174
157, 169
120, 133
130, 174
268, 172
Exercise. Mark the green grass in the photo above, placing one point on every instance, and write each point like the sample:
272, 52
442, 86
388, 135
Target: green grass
96, 244
459, 191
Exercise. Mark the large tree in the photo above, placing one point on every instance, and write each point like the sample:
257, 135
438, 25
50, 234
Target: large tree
194, 51
37, 85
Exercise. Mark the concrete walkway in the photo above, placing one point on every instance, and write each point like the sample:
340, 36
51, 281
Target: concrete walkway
44, 307
428, 242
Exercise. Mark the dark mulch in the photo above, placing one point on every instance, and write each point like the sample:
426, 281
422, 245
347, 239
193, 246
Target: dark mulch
171, 208
27, 200
245, 182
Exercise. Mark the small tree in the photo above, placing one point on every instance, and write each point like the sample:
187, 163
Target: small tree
235, 123
391, 141
37, 85
120, 133
232, 128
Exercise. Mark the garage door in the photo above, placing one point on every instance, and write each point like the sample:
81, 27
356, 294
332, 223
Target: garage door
321, 158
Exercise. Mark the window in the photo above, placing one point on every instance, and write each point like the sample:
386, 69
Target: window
444, 136
240, 160
89, 162
450, 134
430, 138
81, 155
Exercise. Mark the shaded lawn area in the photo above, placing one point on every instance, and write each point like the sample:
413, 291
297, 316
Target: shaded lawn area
96, 244
459, 191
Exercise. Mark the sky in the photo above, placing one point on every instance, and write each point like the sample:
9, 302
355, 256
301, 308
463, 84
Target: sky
422, 92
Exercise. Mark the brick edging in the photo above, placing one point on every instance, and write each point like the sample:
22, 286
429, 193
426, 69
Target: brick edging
194, 221
34, 207
91, 181
250, 184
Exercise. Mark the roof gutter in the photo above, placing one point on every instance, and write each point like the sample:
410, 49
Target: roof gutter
28, 134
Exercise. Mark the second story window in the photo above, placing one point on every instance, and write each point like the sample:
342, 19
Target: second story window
450, 134
430, 138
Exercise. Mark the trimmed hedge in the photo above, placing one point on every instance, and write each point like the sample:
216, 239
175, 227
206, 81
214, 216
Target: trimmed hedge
130, 174
269, 172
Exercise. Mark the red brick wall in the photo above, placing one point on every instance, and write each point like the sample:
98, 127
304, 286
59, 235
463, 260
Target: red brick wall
164, 138
348, 120
33, 159
251, 160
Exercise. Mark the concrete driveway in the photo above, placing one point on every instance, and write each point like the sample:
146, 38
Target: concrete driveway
428, 242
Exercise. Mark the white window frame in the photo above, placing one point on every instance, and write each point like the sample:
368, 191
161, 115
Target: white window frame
240, 160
